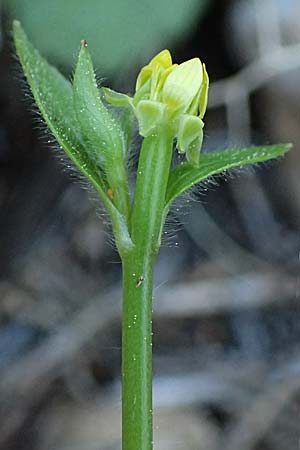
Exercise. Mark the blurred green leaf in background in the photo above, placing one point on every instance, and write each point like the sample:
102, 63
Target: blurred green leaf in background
121, 32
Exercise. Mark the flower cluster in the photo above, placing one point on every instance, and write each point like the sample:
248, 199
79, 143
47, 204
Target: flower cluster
173, 96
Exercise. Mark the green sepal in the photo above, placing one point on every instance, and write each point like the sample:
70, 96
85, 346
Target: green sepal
150, 114
116, 98
185, 175
194, 149
190, 129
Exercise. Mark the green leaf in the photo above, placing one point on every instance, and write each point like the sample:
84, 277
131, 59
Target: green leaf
54, 97
101, 130
185, 175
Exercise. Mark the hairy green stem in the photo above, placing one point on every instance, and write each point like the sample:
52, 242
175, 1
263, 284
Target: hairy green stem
146, 224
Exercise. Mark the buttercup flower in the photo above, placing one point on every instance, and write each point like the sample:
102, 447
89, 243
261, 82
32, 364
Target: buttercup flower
173, 96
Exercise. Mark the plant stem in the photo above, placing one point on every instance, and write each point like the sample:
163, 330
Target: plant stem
137, 356
138, 264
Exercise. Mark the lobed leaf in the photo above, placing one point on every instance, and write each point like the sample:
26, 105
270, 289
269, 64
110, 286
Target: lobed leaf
185, 175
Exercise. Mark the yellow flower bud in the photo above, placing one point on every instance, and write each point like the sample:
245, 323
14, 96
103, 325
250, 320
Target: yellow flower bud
182, 88
182, 85
172, 96
162, 59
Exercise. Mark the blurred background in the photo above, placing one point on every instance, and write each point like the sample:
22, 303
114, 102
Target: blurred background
227, 287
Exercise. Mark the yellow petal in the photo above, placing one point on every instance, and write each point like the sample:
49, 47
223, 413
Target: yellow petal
160, 62
143, 77
162, 80
183, 84
163, 59
204, 93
